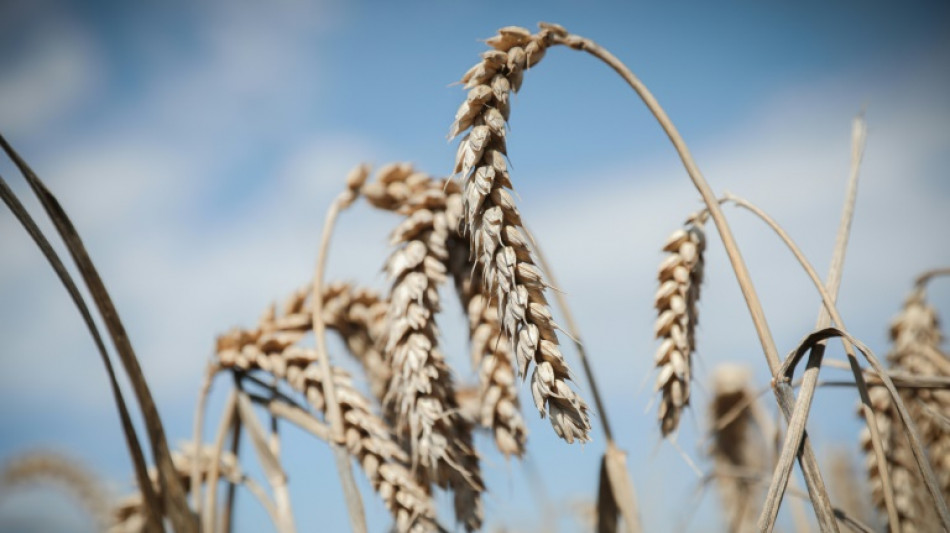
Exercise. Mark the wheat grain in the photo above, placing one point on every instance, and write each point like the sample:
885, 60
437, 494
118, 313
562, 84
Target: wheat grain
368, 438
680, 276
128, 515
735, 447
493, 224
916, 339
421, 391
498, 407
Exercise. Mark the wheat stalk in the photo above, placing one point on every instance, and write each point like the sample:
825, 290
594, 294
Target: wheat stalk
735, 447
493, 224
367, 437
680, 276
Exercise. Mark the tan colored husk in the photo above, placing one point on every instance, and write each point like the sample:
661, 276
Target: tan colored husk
498, 407
736, 448
421, 391
48, 467
916, 339
494, 228
367, 437
680, 276
128, 515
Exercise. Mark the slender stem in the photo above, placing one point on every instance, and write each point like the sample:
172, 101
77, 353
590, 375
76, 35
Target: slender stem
354, 502
227, 522
809, 462
925, 277
228, 419
198, 438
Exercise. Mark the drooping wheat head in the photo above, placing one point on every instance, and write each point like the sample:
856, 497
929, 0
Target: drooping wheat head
680, 276
916, 338
498, 406
129, 514
368, 438
497, 403
47, 467
421, 390
493, 224
737, 452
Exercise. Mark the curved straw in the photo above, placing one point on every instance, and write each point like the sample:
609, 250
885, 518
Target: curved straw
354, 502
809, 462
808, 390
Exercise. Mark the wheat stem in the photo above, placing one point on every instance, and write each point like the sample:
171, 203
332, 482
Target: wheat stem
354, 502
808, 460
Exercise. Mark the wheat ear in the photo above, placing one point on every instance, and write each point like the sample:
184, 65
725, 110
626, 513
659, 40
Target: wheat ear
735, 447
367, 437
128, 515
421, 391
497, 402
680, 276
498, 408
493, 224
46, 467
916, 339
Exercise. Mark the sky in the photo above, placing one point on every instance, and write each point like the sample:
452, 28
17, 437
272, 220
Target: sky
196, 146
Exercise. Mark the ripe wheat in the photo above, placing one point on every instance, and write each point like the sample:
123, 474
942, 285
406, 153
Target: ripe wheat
680, 276
736, 450
494, 227
368, 438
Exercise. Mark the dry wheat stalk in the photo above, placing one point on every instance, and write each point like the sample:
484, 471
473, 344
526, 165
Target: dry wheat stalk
421, 391
680, 276
498, 408
48, 467
735, 447
368, 438
493, 224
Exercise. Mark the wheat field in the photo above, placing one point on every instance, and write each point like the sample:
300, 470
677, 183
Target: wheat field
508, 331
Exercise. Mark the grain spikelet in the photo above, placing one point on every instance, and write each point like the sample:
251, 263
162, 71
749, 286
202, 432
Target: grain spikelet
915, 510
916, 339
498, 408
421, 391
368, 438
736, 448
494, 228
128, 515
680, 276
46, 467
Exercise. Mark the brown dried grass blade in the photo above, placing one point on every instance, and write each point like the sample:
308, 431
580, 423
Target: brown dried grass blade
607, 510
173, 494
153, 518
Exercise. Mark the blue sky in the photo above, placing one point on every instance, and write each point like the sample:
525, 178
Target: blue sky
196, 147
